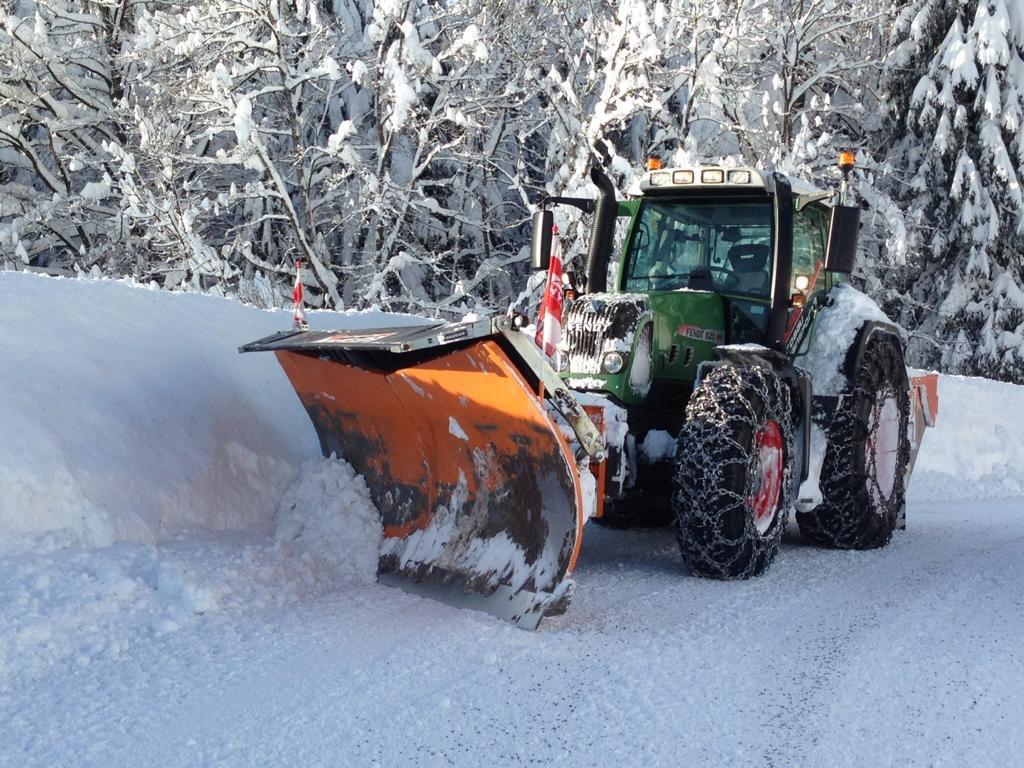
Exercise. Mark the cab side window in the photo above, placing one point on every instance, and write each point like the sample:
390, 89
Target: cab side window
808, 240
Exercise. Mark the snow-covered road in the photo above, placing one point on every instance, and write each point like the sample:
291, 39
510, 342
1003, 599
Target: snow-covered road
906, 656
199, 637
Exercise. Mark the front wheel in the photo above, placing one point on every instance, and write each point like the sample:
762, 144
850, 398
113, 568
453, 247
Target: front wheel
733, 481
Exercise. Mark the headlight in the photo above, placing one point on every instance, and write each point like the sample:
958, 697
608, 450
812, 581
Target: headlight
563, 362
613, 362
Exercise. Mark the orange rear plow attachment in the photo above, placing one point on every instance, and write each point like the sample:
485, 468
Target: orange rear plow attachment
924, 411
477, 484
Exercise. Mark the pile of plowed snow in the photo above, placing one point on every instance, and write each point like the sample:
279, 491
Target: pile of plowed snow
130, 430
328, 519
128, 414
977, 448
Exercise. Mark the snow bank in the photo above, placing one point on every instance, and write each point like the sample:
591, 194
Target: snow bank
128, 414
977, 448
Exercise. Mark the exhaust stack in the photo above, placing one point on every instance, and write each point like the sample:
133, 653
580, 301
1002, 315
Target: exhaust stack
602, 232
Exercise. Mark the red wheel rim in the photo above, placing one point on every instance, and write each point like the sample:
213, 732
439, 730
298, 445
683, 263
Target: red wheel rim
767, 469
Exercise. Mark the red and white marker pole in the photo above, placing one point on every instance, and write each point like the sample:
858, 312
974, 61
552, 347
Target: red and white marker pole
299, 318
549, 321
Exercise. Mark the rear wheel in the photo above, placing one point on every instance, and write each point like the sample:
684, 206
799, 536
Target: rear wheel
732, 487
863, 476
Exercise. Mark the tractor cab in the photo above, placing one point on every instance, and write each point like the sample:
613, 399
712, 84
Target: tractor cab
719, 245
721, 231
712, 258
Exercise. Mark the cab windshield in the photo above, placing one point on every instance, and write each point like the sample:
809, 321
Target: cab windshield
713, 245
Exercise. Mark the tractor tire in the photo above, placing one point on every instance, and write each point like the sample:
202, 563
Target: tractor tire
864, 472
733, 483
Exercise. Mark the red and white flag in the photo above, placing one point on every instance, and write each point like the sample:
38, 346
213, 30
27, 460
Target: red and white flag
299, 318
549, 321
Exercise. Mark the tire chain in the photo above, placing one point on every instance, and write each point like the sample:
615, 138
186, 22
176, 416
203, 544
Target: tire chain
730, 402
846, 518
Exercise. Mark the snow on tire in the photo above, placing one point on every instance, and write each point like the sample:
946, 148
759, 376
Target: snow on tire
863, 477
733, 481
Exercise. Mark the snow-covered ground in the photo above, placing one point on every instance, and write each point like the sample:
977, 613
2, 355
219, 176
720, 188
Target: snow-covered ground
170, 595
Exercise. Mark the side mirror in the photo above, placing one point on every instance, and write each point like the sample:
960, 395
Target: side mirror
540, 254
842, 239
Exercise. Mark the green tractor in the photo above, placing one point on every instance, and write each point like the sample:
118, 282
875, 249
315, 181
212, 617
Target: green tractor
731, 371
745, 376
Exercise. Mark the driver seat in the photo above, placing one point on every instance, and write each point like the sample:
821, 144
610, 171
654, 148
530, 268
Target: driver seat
748, 263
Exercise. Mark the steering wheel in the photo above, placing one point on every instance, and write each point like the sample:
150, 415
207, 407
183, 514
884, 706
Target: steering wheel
700, 273
730, 280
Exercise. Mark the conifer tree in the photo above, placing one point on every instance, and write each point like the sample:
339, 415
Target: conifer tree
954, 84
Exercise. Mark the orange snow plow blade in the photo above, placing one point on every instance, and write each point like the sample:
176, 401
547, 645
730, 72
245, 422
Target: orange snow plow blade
477, 486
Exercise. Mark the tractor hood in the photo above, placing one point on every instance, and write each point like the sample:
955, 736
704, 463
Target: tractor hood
659, 336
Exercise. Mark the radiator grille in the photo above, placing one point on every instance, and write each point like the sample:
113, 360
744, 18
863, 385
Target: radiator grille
597, 324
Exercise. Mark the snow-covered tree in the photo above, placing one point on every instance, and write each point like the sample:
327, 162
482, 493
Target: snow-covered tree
63, 87
798, 79
343, 137
245, 139
957, 101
